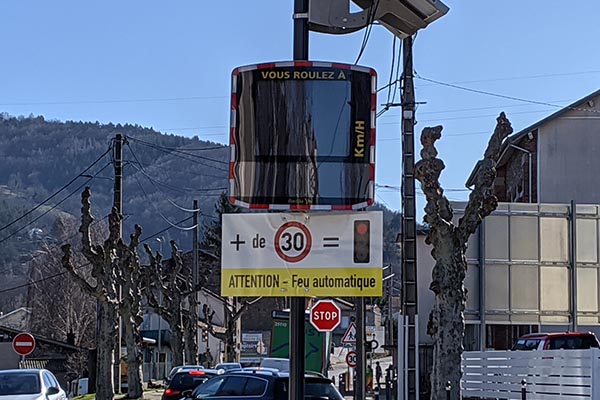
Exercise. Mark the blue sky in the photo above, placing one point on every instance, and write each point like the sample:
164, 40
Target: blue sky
167, 65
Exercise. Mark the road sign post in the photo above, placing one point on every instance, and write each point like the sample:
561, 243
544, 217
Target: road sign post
23, 344
325, 315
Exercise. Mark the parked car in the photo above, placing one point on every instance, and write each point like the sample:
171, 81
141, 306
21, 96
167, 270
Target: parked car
30, 384
261, 385
554, 341
229, 366
175, 370
282, 364
187, 379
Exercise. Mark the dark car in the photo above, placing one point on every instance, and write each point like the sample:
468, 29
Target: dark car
186, 380
261, 385
555, 341
181, 368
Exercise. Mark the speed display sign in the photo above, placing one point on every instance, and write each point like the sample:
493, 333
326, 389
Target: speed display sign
294, 254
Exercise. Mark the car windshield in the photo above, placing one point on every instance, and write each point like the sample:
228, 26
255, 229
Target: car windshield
186, 381
19, 383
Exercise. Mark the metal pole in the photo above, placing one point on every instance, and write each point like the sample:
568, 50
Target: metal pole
359, 390
524, 389
573, 262
118, 204
195, 279
482, 306
409, 221
297, 304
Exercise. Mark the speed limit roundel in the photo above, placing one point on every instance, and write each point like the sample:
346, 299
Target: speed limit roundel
293, 241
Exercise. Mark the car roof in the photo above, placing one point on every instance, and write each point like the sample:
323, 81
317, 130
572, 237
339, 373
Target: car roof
542, 335
266, 372
28, 370
204, 370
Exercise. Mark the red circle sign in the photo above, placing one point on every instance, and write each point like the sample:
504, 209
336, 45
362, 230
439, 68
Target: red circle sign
351, 359
293, 241
23, 344
325, 315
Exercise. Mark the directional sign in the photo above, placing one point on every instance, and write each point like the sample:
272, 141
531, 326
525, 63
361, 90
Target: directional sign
297, 254
350, 335
325, 315
351, 359
23, 344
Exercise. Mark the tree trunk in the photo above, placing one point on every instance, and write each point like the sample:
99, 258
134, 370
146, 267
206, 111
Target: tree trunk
133, 341
106, 342
449, 241
191, 340
176, 344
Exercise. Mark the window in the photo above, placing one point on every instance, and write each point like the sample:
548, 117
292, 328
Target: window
47, 380
255, 387
233, 386
209, 388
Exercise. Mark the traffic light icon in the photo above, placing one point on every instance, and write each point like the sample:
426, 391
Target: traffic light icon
362, 241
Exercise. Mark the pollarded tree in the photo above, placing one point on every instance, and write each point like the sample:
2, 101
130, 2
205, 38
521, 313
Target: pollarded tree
104, 289
129, 275
449, 240
172, 282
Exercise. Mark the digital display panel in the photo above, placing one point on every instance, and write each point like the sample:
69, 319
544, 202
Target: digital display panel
302, 136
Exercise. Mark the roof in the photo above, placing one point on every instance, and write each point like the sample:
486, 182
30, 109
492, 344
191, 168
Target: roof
516, 137
39, 338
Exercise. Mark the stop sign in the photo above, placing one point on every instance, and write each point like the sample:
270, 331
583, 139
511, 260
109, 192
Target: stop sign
325, 315
23, 344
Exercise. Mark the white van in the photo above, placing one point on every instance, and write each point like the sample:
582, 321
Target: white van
282, 364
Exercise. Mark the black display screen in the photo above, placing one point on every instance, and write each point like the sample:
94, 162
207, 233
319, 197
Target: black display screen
302, 136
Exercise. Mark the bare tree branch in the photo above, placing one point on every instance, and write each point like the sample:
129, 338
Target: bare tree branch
482, 200
82, 282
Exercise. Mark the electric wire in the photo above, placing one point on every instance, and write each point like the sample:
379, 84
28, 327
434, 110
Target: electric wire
183, 190
543, 103
57, 192
174, 150
81, 266
181, 228
370, 19
4, 239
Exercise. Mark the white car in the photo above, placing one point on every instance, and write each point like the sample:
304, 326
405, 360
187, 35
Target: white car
30, 384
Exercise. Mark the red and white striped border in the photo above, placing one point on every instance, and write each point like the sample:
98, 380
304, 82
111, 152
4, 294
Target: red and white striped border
232, 143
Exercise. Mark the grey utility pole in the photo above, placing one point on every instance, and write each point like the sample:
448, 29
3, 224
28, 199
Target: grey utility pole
118, 204
297, 304
409, 222
195, 277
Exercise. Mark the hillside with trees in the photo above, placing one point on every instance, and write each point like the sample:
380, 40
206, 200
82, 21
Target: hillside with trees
44, 168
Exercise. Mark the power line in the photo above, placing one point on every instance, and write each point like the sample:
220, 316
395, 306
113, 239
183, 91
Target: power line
170, 150
53, 207
543, 103
81, 266
57, 192
370, 19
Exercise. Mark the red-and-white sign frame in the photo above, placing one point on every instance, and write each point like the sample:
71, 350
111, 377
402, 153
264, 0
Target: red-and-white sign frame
23, 344
370, 146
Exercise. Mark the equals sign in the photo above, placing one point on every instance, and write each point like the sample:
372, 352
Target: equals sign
331, 242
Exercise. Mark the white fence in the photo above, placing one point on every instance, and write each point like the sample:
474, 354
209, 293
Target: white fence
549, 374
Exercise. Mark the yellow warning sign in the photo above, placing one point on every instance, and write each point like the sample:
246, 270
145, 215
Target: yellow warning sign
302, 282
